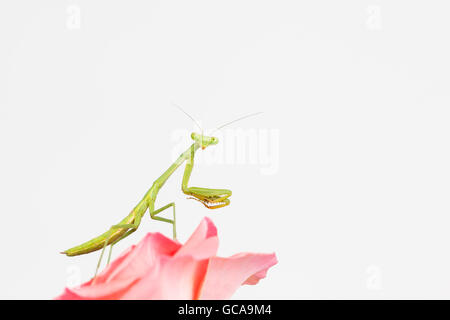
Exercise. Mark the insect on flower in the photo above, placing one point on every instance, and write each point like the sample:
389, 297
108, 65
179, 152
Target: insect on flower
210, 198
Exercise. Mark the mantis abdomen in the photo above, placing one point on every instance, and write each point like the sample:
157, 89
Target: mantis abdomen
99, 242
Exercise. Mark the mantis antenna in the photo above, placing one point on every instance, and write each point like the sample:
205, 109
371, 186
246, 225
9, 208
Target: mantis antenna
238, 119
195, 121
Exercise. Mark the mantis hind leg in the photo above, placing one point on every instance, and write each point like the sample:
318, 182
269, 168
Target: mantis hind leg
173, 222
121, 238
133, 227
153, 216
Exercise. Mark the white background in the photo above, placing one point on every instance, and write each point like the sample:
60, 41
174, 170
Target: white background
357, 90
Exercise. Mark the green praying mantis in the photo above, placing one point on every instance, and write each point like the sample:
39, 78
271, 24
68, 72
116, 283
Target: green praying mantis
210, 198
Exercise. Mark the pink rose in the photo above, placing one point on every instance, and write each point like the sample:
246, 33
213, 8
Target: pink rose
160, 268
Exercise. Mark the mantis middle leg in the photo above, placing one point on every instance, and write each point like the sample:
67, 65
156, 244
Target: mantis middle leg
173, 222
153, 216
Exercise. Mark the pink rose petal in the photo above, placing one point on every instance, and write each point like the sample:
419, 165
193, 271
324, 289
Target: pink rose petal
225, 275
160, 268
203, 243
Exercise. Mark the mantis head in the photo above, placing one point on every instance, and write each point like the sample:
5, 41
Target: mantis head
204, 141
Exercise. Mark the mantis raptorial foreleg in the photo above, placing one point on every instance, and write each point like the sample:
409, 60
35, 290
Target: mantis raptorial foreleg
211, 198
173, 222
